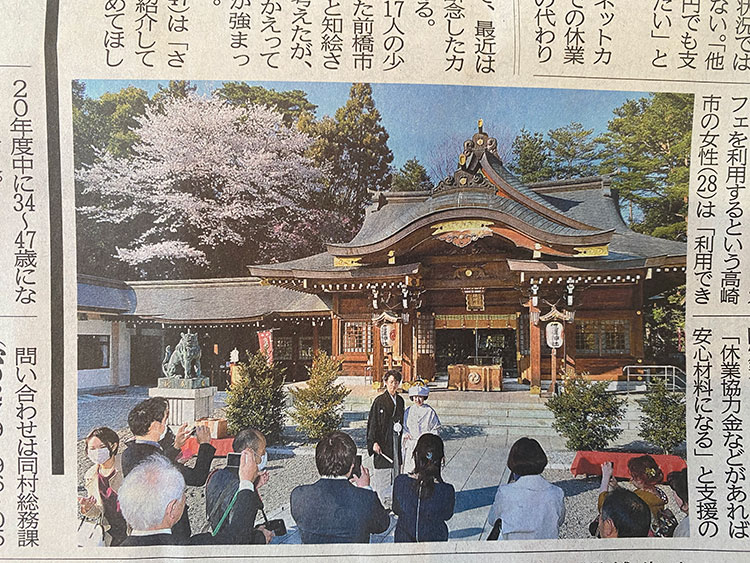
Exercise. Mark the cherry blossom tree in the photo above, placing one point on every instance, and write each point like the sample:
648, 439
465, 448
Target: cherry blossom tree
209, 186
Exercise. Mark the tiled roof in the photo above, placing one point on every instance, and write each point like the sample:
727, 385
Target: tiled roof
220, 299
105, 295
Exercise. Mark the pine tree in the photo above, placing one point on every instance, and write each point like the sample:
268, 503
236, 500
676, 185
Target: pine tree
647, 147
573, 151
317, 407
412, 177
531, 158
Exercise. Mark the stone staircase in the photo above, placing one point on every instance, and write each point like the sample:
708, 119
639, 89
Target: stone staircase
509, 413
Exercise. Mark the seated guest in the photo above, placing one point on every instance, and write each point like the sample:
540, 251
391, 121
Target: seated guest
148, 423
528, 508
678, 482
152, 499
645, 474
624, 515
102, 481
338, 508
421, 499
223, 483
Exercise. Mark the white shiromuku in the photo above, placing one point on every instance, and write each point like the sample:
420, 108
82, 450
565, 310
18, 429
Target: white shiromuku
418, 420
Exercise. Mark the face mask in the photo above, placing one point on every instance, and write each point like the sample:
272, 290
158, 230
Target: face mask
164, 433
99, 455
263, 462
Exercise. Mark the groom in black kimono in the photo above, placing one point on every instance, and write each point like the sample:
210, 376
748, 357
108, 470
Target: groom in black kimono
384, 436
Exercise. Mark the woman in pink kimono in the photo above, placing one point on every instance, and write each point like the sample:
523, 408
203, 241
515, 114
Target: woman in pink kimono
419, 419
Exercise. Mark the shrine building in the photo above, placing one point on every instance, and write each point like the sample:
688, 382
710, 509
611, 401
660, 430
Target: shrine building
482, 278
477, 276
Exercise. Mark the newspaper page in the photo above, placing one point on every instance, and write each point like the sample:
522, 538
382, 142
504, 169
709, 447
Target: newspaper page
375, 280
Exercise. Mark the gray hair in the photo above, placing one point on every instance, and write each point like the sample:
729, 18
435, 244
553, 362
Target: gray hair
147, 491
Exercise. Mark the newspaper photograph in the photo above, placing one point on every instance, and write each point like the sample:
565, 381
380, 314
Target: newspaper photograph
355, 280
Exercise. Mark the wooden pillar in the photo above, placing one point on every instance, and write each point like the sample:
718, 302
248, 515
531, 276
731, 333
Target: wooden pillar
637, 330
336, 329
570, 347
535, 352
407, 364
377, 353
114, 353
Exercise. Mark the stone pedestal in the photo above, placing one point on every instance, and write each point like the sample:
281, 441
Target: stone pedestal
186, 405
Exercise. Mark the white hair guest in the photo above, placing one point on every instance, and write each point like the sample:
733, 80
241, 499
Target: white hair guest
152, 499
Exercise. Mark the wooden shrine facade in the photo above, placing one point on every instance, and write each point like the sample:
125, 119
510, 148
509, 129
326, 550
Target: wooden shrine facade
476, 269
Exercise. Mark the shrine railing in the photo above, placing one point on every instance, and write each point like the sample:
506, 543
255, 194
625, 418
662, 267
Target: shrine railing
674, 378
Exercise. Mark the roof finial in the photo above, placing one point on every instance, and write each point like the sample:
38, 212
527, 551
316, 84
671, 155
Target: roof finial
479, 124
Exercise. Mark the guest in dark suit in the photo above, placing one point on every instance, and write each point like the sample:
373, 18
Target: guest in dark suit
152, 499
223, 483
148, 423
422, 500
338, 508
384, 436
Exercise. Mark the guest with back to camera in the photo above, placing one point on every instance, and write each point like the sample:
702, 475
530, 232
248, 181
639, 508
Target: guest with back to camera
422, 501
529, 507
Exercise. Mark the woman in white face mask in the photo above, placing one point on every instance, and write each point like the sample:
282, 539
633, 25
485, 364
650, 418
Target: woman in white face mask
102, 481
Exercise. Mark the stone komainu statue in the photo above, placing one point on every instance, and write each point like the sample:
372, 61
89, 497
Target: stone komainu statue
187, 355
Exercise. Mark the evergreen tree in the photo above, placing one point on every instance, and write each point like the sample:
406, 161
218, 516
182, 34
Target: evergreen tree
573, 152
586, 414
257, 398
531, 158
412, 177
317, 407
647, 148
175, 89
663, 420
291, 104
106, 124
352, 147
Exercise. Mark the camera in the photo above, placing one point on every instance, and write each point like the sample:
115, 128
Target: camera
357, 470
277, 526
233, 459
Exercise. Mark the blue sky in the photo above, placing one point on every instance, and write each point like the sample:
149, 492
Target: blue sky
420, 117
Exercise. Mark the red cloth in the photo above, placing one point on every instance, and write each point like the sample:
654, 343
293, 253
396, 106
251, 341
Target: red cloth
589, 463
223, 447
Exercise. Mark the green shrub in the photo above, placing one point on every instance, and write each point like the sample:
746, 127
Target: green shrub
663, 419
586, 415
317, 407
257, 398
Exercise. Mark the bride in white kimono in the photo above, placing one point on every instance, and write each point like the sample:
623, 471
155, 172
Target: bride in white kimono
419, 419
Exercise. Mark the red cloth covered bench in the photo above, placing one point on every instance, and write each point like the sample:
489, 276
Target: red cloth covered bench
223, 446
589, 463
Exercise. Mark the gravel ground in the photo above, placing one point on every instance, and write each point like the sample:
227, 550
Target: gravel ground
287, 470
581, 495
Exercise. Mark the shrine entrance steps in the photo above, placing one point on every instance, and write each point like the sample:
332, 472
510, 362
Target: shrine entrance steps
509, 414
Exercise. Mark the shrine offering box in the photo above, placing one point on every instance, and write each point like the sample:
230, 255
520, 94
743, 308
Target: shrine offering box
217, 426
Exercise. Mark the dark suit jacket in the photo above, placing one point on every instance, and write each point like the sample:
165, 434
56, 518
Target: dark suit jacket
194, 476
220, 488
239, 531
335, 511
383, 415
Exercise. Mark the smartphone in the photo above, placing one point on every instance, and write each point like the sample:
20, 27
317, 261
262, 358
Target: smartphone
233, 459
357, 471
